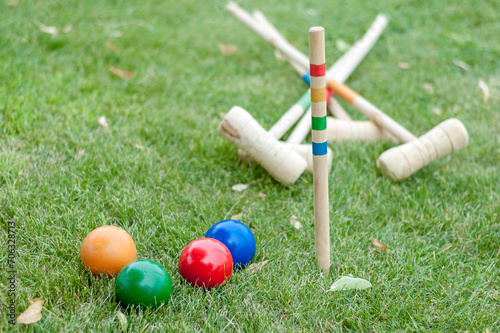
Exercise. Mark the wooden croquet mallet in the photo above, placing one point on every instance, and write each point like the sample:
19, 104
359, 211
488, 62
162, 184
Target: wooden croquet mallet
402, 161
319, 144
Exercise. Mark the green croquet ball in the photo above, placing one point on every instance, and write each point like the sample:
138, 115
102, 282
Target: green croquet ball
143, 283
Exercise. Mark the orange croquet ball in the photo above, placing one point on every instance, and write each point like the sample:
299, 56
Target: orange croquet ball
107, 250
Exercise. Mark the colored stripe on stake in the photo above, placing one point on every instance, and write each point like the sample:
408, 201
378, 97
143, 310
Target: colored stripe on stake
317, 70
320, 149
318, 95
318, 123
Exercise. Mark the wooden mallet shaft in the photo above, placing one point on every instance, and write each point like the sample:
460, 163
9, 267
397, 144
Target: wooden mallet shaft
371, 111
319, 144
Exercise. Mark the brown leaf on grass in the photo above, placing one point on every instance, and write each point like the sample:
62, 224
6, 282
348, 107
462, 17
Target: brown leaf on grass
239, 187
486, 90
33, 313
461, 64
79, 153
49, 30
262, 195
379, 246
296, 224
112, 47
227, 49
122, 74
237, 217
13, 3
102, 121
256, 266
404, 65
429, 87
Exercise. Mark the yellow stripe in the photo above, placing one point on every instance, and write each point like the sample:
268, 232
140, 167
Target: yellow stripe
318, 95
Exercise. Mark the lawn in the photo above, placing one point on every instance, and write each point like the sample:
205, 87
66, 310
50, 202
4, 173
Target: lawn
163, 173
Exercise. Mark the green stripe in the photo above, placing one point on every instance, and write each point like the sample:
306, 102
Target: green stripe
319, 123
305, 100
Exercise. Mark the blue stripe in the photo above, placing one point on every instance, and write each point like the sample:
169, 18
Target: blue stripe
307, 79
319, 149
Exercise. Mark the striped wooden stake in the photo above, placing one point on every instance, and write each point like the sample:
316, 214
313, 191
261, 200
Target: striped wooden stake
319, 144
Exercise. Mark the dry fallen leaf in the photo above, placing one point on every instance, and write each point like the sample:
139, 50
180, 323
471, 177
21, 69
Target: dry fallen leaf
347, 282
461, 64
379, 246
237, 217
485, 89
121, 73
102, 121
404, 65
239, 187
79, 153
296, 224
429, 87
262, 195
112, 47
33, 313
13, 3
227, 49
256, 266
49, 30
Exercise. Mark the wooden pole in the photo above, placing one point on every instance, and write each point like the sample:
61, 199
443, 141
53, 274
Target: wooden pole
319, 144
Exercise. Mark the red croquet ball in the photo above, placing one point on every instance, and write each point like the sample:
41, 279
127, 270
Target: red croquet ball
206, 263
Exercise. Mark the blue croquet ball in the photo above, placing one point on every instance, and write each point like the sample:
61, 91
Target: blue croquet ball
237, 237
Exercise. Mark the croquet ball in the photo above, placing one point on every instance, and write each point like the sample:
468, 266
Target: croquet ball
143, 283
237, 237
206, 263
107, 250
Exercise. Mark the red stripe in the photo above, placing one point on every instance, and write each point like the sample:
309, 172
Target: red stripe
317, 70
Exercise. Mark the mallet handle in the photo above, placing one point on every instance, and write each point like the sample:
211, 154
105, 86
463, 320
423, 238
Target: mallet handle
371, 111
282, 45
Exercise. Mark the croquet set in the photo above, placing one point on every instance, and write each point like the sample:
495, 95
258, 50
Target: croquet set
230, 245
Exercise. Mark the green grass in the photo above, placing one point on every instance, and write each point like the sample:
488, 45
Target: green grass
441, 225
